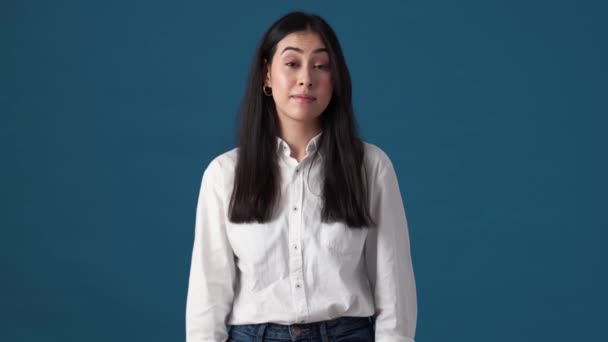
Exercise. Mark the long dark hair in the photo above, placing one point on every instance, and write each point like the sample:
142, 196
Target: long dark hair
257, 177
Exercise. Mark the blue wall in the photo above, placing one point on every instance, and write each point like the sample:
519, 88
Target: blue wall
490, 110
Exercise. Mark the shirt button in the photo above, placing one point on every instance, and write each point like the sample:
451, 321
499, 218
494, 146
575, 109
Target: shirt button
298, 286
295, 208
297, 170
295, 246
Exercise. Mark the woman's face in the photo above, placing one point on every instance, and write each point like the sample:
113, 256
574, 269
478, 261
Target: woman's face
299, 76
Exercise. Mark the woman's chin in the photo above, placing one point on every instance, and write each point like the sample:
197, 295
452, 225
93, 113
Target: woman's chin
303, 115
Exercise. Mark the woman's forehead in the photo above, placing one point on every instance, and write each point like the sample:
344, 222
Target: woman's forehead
301, 42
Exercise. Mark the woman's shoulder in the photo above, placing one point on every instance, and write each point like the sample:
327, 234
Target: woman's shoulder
227, 159
375, 157
222, 164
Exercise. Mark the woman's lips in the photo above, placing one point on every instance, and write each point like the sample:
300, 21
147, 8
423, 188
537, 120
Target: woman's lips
303, 98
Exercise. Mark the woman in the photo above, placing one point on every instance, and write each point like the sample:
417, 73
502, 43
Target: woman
300, 233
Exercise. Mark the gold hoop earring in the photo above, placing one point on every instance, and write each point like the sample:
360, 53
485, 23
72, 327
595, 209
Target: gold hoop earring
267, 90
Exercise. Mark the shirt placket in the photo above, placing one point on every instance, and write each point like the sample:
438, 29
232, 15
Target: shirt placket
295, 242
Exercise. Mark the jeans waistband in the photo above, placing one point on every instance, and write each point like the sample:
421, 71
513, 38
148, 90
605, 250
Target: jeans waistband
303, 330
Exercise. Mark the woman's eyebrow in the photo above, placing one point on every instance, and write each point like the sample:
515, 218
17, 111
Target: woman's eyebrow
301, 51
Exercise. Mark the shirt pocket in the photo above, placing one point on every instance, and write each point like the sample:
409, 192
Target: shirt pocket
339, 239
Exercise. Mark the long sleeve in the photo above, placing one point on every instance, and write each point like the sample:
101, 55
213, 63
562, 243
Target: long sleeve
212, 270
389, 263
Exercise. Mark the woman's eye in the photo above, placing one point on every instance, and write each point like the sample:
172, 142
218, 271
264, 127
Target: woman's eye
316, 66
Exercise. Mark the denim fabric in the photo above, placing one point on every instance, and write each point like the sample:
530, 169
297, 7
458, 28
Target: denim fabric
343, 329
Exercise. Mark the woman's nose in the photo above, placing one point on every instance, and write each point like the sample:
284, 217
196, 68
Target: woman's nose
305, 78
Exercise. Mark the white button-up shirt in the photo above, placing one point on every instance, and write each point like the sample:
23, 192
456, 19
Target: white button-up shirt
297, 269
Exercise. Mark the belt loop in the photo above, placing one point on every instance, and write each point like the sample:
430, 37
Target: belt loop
261, 330
323, 328
372, 321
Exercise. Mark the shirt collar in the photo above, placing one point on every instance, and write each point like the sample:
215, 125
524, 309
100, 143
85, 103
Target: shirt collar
312, 145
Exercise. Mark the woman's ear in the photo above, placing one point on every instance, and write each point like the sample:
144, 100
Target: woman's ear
266, 72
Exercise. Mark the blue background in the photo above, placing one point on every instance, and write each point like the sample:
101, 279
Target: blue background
492, 112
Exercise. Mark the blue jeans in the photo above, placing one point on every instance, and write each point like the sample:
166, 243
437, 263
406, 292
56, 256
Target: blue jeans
343, 329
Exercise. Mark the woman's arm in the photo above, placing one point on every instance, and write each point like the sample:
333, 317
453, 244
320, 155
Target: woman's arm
212, 271
388, 261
